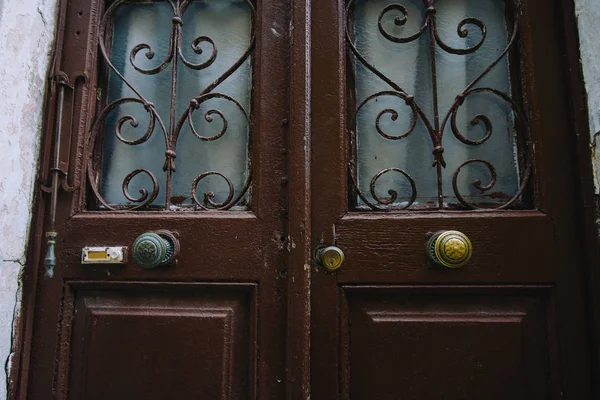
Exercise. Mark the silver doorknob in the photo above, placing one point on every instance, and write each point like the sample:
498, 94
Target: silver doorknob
154, 249
331, 257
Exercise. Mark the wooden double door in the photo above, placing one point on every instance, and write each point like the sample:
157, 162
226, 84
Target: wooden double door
244, 310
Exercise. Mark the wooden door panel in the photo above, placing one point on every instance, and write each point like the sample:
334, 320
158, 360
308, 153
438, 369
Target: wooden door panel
211, 246
464, 343
507, 247
71, 336
157, 341
541, 331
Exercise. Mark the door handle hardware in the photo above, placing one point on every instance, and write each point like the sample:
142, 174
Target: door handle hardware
60, 162
448, 249
155, 249
331, 258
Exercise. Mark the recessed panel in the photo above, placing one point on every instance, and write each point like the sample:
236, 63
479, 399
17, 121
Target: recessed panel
173, 342
507, 247
451, 344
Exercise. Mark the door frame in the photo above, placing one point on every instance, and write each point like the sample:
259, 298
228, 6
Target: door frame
587, 199
298, 241
299, 209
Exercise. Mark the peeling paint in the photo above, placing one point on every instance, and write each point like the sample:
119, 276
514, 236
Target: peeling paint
279, 239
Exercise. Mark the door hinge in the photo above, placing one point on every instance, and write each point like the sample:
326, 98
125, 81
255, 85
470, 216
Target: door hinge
59, 170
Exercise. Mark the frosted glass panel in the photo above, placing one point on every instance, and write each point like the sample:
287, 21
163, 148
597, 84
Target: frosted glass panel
177, 125
411, 129
132, 28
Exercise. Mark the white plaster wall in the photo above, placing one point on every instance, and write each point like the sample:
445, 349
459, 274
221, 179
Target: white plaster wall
588, 18
26, 35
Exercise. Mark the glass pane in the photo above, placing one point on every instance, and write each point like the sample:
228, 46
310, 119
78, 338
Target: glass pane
180, 125
410, 66
229, 24
133, 23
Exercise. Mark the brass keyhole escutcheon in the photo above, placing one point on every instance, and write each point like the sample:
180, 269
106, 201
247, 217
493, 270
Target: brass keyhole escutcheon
449, 249
331, 258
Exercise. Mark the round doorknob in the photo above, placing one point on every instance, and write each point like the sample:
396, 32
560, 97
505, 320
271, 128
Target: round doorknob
450, 249
153, 249
331, 258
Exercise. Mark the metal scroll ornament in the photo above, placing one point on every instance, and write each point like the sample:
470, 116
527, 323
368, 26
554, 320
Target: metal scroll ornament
435, 126
156, 125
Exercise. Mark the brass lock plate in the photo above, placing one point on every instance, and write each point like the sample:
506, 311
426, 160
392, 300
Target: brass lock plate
104, 255
331, 258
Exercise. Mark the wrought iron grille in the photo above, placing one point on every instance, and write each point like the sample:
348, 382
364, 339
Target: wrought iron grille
435, 124
171, 131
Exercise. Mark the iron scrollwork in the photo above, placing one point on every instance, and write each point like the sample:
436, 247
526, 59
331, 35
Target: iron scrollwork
435, 127
155, 123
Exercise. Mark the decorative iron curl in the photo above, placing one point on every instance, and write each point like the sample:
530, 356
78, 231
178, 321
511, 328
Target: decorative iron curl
147, 197
150, 55
479, 118
526, 175
226, 204
208, 115
144, 199
399, 21
463, 32
477, 182
196, 48
133, 122
452, 115
408, 100
393, 193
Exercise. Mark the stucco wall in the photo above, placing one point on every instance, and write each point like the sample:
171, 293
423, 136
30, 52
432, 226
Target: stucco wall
26, 35
588, 17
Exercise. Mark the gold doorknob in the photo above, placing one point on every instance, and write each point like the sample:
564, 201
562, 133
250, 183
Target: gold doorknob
331, 258
450, 249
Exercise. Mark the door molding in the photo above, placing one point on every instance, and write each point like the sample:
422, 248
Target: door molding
298, 239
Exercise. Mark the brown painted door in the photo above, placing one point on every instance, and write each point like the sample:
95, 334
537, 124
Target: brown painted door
211, 323
244, 310
388, 325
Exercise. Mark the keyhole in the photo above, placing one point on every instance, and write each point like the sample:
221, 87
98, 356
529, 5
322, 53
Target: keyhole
331, 258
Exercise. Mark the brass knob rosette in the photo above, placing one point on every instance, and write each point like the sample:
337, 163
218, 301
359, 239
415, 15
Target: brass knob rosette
449, 249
